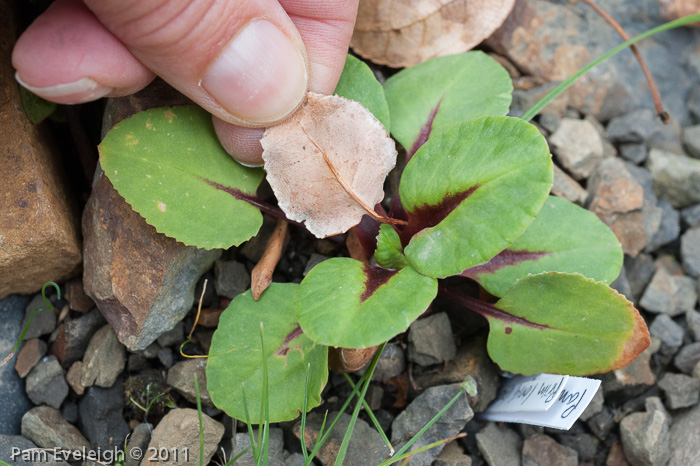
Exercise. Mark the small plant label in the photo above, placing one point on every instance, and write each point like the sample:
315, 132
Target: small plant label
546, 400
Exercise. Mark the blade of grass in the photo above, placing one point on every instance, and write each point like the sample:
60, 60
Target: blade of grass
247, 421
237, 457
265, 408
369, 412
397, 458
201, 427
26, 327
303, 413
428, 425
356, 411
551, 95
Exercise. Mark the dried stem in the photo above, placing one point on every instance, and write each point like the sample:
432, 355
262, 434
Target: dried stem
663, 115
261, 277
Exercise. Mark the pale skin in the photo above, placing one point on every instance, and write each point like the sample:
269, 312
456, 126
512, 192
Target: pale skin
248, 62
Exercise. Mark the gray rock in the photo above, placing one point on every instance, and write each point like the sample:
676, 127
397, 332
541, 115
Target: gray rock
74, 336
636, 126
681, 390
669, 332
690, 251
622, 285
366, 445
452, 455
685, 441
100, 416
104, 359
667, 137
18, 451
602, 423
276, 448
568, 188
29, 355
578, 146
179, 431
232, 278
172, 337
500, 446
669, 229
676, 177
181, 378
645, 436
687, 357
165, 356
634, 152
691, 140
595, 406
313, 261
430, 340
586, 445
669, 294
696, 371
142, 281
542, 450
391, 363
15, 402
295, 459
639, 271
691, 215
692, 318
46, 427
46, 383
421, 410
549, 121
44, 321
138, 443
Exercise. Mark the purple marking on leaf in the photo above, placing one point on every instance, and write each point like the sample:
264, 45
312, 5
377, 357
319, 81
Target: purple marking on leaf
375, 277
284, 347
424, 132
488, 310
427, 216
252, 200
505, 258
368, 229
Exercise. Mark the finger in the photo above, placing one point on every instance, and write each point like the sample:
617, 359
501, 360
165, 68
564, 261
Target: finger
326, 28
67, 56
241, 60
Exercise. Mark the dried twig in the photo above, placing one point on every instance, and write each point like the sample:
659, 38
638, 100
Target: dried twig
261, 276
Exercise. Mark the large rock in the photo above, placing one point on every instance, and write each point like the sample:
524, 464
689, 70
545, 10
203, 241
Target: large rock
553, 40
178, 432
46, 427
422, 410
100, 416
142, 281
685, 441
645, 436
14, 401
39, 229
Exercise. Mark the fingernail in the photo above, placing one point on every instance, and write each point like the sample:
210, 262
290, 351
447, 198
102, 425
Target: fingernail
77, 92
260, 76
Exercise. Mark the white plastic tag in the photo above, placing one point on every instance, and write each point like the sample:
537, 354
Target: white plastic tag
543, 400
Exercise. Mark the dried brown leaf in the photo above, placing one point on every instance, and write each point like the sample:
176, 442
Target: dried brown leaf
261, 277
674, 9
327, 163
402, 33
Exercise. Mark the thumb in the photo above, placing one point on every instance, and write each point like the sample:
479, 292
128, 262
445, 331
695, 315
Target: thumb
242, 60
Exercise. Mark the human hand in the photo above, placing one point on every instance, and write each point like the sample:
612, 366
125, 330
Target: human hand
248, 62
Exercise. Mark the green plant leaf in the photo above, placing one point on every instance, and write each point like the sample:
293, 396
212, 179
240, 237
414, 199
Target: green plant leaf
389, 253
561, 323
441, 92
470, 191
169, 166
235, 357
342, 302
563, 238
359, 84
36, 108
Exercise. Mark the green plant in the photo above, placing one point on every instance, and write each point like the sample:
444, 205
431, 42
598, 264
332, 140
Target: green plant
473, 203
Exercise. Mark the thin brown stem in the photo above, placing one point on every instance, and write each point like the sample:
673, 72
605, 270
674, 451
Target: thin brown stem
261, 277
370, 211
663, 115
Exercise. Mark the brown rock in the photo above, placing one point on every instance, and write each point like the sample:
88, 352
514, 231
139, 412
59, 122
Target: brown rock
633, 378
39, 239
142, 281
617, 198
46, 427
30, 354
73, 337
674, 9
73, 376
542, 450
179, 431
181, 378
472, 359
78, 300
616, 456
